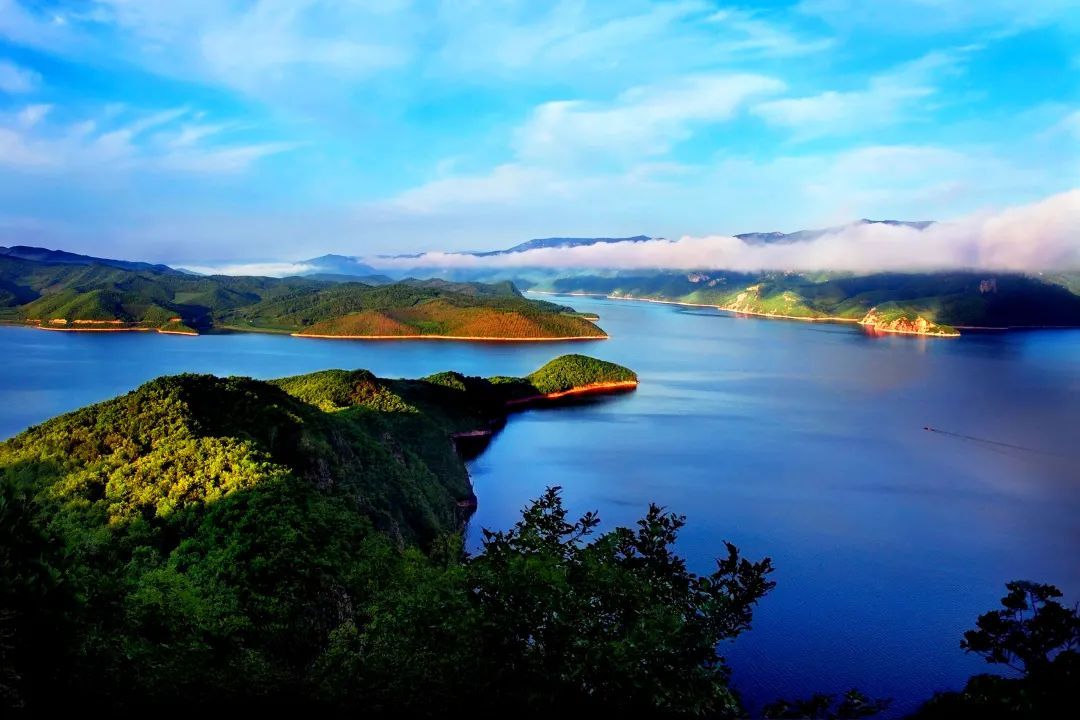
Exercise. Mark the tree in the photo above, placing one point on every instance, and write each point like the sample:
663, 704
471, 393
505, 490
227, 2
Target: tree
852, 704
1034, 635
550, 618
34, 600
1030, 632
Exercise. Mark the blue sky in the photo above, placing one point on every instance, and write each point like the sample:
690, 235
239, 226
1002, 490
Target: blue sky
201, 131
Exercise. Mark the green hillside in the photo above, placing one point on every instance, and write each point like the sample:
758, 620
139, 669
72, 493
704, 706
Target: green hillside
943, 301
93, 297
571, 371
216, 532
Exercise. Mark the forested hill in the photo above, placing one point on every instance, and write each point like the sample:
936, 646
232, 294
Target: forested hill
205, 538
937, 302
97, 296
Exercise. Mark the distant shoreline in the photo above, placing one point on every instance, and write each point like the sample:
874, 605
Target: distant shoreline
1005, 328
226, 330
87, 329
895, 331
102, 330
457, 338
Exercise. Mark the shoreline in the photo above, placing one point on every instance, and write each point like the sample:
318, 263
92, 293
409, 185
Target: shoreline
225, 330
704, 305
485, 433
768, 316
87, 329
875, 328
590, 389
101, 330
458, 338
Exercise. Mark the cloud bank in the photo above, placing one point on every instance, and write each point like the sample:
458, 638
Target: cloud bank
261, 269
1043, 236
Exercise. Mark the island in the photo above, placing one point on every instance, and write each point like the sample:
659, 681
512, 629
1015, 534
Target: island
926, 304
63, 295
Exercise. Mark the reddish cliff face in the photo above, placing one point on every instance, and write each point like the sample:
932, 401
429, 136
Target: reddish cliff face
911, 326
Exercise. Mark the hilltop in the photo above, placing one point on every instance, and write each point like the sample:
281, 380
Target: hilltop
54, 294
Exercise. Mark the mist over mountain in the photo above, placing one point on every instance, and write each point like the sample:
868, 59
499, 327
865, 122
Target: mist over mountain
1038, 237
335, 266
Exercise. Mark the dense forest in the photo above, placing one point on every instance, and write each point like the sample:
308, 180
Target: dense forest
96, 296
207, 543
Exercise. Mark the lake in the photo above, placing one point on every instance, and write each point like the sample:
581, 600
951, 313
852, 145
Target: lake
804, 442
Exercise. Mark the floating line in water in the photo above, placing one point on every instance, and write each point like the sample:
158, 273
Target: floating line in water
995, 443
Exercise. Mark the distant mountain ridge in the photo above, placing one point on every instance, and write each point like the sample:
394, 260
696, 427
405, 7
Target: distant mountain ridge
62, 257
562, 242
338, 265
331, 264
764, 238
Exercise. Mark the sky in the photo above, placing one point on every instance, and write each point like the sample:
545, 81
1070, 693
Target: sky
204, 132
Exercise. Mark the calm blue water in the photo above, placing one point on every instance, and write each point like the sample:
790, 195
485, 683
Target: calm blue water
798, 441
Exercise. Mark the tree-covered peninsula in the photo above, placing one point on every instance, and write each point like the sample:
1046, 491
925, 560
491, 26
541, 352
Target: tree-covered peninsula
205, 541
937, 304
98, 297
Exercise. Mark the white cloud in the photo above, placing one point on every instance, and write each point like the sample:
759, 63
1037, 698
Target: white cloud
640, 121
31, 115
36, 29
505, 183
16, 80
1068, 127
146, 141
17, 152
265, 47
1041, 236
535, 41
634, 128
730, 193
889, 98
264, 269
752, 34
231, 159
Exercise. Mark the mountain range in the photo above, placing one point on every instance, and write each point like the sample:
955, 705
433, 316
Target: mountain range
341, 295
62, 257
328, 265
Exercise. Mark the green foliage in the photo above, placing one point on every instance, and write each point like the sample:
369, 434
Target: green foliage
1029, 632
948, 298
332, 390
450, 379
32, 290
548, 618
1034, 635
202, 542
851, 705
570, 371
